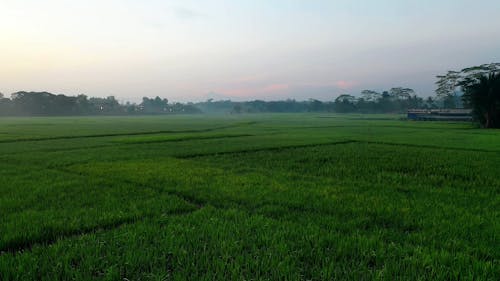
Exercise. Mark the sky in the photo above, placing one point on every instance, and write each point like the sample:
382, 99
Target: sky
240, 50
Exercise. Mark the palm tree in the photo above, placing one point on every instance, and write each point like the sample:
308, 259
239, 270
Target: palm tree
483, 96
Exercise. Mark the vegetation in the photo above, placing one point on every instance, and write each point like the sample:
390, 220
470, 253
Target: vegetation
396, 100
248, 197
481, 88
47, 104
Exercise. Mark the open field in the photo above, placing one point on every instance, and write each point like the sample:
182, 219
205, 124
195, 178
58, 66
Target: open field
251, 197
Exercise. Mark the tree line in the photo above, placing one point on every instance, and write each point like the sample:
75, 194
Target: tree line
48, 104
396, 100
475, 87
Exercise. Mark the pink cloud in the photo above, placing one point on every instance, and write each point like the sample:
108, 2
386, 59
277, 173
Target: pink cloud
275, 88
345, 85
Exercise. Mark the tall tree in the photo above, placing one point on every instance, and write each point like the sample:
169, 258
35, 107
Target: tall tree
345, 103
484, 97
370, 96
481, 87
400, 93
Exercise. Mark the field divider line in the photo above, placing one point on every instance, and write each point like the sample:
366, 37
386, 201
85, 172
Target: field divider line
115, 144
275, 148
429, 146
196, 202
189, 138
127, 134
29, 245
280, 148
59, 149
193, 202
372, 126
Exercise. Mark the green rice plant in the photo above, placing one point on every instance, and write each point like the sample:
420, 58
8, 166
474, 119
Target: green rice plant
250, 197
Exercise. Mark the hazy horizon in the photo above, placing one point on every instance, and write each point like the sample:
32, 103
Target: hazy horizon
240, 50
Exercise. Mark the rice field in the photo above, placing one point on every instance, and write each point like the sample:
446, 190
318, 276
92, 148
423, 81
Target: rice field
250, 197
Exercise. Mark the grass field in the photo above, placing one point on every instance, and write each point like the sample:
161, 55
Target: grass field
251, 197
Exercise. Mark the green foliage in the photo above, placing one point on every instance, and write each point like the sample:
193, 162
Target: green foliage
484, 97
397, 100
47, 104
481, 88
260, 197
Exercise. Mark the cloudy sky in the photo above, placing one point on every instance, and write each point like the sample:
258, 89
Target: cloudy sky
246, 49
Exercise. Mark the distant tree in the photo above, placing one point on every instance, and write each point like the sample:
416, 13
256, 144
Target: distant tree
211, 106
449, 101
400, 93
34, 103
131, 108
256, 106
4, 105
415, 102
82, 104
156, 105
315, 105
370, 96
112, 104
386, 103
481, 88
346, 98
447, 84
430, 103
237, 109
345, 103
106, 106
365, 106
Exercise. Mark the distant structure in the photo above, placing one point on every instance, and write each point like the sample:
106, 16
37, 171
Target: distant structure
440, 114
